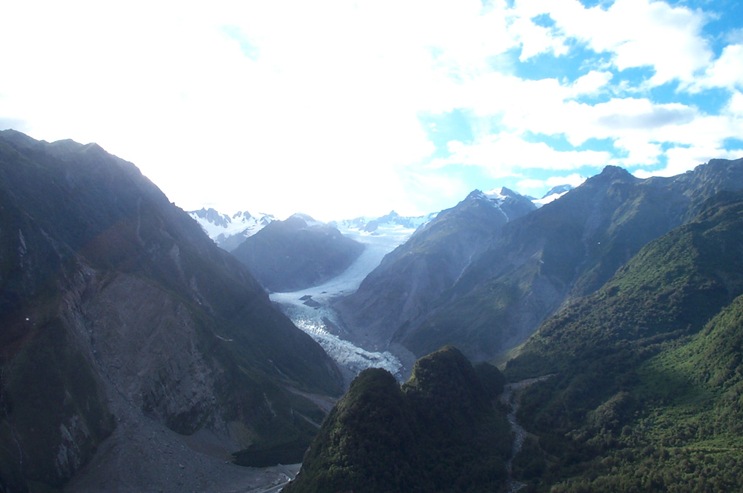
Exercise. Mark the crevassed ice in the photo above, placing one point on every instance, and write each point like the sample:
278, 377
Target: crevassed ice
312, 319
347, 354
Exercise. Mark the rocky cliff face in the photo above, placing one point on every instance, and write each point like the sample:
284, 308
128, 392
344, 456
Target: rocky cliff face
113, 302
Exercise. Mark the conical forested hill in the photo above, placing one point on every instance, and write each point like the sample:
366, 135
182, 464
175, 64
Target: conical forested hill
438, 432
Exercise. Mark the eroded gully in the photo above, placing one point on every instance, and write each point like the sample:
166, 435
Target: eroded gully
511, 397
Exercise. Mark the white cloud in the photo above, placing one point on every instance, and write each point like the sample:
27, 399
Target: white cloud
319, 103
637, 127
639, 150
503, 154
536, 39
726, 71
685, 158
735, 105
637, 33
590, 84
539, 186
276, 105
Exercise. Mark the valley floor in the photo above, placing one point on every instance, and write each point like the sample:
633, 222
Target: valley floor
199, 463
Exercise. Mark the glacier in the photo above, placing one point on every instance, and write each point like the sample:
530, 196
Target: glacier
310, 308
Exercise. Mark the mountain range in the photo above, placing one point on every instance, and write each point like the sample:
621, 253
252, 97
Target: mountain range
484, 278
136, 354
410, 280
633, 386
228, 231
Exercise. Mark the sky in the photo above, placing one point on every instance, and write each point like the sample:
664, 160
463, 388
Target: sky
342, 108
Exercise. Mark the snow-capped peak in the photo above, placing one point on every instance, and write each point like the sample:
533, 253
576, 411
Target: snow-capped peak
308, 220
553, 194
499, 195
389, 223
229, 231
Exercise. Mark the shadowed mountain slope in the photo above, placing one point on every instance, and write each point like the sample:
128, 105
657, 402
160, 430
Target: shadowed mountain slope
533, 266
112, 302
297, 253
409, 281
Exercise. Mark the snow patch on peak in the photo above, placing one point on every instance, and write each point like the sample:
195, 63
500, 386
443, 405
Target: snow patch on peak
498, 195
390, 224
553, 194
308, 220
229, 231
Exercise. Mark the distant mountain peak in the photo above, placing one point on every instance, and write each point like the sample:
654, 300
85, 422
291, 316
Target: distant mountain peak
559, 189
553, 194
496, 197
392, 215
478, 195
229, 231
306, 219
390, 221
243, 214
615, 173
297, 253
212, 216
610, 176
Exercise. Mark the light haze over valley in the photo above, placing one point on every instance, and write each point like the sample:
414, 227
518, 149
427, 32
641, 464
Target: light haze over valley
371, 246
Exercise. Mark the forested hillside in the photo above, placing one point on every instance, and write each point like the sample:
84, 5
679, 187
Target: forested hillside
438, 432
646, 389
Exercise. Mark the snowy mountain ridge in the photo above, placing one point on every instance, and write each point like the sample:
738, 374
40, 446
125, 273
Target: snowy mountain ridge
499, 195
229, 231
390, 223
553, 194
309, 308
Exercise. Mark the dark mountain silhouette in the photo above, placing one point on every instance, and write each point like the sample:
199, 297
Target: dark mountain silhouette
297, 253
115, 306
438, 432
411, 279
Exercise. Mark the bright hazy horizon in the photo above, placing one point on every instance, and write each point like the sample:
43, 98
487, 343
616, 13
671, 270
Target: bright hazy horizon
339, 109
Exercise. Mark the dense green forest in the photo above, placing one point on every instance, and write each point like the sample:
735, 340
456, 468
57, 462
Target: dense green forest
437, 432
647, 392
643, 390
